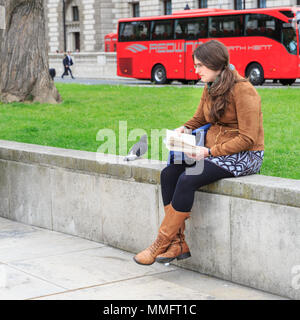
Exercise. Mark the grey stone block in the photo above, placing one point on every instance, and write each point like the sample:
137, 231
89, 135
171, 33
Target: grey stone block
30, 194
146, 174
265, 246
76, 204
4, 189
258, 187
130, 216
208, 236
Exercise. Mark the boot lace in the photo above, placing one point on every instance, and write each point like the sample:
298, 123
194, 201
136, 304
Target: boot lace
156, 244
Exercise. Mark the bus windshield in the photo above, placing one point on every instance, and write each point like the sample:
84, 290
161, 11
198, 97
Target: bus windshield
289, 36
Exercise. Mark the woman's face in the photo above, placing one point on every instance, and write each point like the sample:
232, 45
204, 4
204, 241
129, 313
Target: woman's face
207, 75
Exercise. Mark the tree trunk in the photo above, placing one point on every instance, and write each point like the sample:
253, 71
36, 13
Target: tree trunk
24, 67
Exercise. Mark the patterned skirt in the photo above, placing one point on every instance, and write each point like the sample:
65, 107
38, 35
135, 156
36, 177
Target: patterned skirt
240, 164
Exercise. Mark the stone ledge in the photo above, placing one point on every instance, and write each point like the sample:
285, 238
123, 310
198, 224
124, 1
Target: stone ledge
255, 187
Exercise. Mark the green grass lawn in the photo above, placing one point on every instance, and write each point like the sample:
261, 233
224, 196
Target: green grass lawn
85, 110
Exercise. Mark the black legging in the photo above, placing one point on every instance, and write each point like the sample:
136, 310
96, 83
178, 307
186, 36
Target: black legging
178, 184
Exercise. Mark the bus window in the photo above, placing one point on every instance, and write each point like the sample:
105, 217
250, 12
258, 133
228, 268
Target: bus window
134, 31
179, 31
162, 30
225, 26
288, 13
262, 25
191, 29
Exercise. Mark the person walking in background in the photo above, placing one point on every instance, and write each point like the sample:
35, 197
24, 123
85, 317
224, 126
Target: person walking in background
234, 146
67, 62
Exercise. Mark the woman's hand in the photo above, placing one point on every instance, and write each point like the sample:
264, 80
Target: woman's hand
180, 130
198, 153
183, 129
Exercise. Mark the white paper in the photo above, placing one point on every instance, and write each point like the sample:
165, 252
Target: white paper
184, 142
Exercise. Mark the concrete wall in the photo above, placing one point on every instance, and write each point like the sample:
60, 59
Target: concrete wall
246, 230
87, 65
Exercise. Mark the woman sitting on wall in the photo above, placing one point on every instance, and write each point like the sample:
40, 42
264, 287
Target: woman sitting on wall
234, 147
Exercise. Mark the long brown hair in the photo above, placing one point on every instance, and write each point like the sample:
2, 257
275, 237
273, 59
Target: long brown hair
214, 55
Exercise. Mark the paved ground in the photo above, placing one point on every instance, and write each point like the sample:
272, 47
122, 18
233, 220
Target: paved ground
36, 263
147, 83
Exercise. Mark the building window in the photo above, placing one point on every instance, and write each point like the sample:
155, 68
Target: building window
298, 2
239, 4
77, 41
75, 13
202, 4
167, 7
136, 9
261, 4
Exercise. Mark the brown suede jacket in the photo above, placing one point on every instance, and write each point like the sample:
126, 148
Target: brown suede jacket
241, 126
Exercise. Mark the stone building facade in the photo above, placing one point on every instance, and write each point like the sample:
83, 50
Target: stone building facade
80, 25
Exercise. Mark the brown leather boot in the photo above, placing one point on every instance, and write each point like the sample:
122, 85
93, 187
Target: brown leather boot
178, 248
168, 229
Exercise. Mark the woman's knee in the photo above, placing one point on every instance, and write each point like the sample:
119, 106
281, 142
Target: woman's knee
169, 173
185, 182
164, 174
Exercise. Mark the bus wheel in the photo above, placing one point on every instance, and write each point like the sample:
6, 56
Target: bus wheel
287, 82
255, 73
159, 75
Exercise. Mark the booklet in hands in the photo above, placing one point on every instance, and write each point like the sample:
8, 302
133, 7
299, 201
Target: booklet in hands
183, 142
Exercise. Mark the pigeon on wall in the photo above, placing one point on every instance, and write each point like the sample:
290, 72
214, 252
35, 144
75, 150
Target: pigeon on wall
137, 149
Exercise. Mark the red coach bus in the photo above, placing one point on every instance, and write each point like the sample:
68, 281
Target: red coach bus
263, 43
